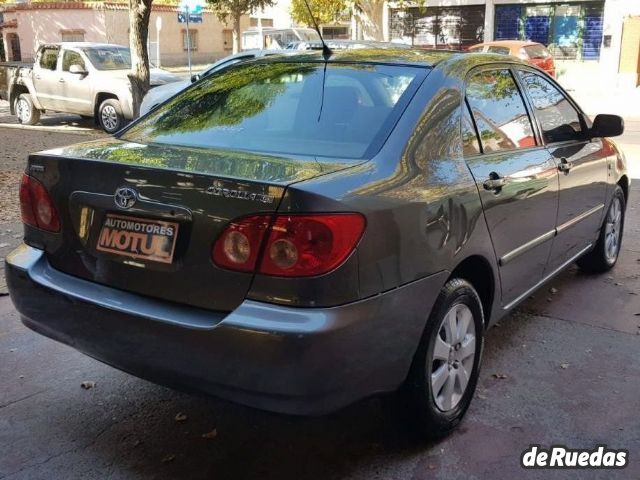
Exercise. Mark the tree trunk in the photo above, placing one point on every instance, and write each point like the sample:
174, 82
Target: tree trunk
236, 31
139, 13
369, 14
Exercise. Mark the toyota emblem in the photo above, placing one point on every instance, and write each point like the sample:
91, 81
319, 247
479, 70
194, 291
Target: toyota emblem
125, 197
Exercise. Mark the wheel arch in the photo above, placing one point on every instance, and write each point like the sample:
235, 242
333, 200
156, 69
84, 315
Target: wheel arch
477, 270
16, 91
101, 97
624, 185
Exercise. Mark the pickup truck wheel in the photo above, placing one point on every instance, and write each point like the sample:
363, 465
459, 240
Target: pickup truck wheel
26, 112
110, 115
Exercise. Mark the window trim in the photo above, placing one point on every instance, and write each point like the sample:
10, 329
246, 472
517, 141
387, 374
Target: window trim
499, 66
584, 125
192, 38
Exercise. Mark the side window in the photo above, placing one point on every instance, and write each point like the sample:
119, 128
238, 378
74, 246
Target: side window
498, 50
470, 144
499, 111
559, 120
49, 58
69, 58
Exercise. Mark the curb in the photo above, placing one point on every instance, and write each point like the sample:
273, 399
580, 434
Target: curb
73, 130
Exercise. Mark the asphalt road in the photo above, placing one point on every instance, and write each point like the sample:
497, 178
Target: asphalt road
569, 358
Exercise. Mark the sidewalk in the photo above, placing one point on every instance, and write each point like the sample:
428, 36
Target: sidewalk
598, 92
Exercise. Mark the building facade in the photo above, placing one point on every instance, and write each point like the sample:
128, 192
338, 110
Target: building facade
574, 30
24, 27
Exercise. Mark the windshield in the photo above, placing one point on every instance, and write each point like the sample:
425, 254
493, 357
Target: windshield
109, 58
285, 108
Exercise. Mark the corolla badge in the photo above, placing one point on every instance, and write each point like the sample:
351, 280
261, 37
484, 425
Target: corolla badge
125, 197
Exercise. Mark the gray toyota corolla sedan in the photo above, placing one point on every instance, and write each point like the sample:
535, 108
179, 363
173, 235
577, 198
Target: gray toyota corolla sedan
296, 234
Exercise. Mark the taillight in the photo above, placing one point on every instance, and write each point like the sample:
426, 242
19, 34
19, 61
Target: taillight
295, 245
239, 245
36, 206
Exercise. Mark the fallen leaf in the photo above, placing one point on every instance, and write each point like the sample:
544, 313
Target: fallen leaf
553, 291
564, 366
181, 417
168, 458
212, 434
87, 384
499, 376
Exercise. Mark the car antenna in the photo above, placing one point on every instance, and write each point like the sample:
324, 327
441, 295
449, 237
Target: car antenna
326, 51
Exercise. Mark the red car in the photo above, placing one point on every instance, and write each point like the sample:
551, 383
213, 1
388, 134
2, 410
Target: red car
531, 52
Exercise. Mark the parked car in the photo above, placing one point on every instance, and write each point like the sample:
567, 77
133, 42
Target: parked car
89, 79
162, 93
531, 52
296, 234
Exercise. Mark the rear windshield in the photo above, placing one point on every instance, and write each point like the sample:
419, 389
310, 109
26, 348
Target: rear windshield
109, 58
536, 51
345, 111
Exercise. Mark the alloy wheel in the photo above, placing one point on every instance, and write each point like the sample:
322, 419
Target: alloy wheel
23, 111
109, 117
613, 230
453, 357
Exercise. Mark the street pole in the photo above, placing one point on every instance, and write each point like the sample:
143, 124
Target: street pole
188, 40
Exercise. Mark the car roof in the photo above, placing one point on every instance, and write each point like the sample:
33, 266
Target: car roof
507, 43
396, 56
449, 59
83, 45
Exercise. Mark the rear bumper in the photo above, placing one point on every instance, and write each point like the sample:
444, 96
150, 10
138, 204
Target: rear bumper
289, 360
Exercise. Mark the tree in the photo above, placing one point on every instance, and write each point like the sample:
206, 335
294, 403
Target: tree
324, 11
139, 13
368, 13
236, 9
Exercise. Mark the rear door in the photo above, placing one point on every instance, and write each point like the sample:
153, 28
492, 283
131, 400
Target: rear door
582, 163
46, 78
516, 176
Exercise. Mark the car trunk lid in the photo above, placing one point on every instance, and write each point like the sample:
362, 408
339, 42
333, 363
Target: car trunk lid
144, 218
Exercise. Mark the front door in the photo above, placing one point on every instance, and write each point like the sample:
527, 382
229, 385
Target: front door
75, 88
582, 164
517, 179
46, 78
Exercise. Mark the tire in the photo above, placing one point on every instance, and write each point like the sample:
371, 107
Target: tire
26, 112
605, 254
110, 115
434, 415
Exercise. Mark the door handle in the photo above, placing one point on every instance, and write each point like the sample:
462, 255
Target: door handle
565, 165
495, 182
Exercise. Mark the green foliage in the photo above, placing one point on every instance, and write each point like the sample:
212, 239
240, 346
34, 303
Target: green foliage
324, 11
235, 8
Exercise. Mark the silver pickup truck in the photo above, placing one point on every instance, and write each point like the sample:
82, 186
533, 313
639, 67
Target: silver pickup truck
88, 79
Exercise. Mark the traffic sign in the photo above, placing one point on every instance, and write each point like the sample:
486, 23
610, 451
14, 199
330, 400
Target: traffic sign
193, 17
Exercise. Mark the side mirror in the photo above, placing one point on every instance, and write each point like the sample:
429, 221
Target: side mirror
607, 126
195, 78
77, 69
